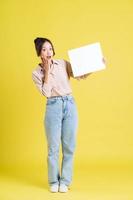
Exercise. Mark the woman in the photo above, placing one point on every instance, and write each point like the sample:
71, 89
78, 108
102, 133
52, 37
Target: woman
52, 78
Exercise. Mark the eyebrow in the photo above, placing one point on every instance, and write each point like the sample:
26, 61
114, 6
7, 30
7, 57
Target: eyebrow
45, 47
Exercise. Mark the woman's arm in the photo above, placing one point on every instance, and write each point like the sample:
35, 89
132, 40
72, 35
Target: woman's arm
44, 88
69, 69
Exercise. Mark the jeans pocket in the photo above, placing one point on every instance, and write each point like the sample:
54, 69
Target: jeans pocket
51, 102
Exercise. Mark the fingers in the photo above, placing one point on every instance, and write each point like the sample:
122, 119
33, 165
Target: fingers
83, 76
49, 62
104, 60
78, 78
45, 62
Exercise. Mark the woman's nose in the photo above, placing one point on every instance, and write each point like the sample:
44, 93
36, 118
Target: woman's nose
49, 53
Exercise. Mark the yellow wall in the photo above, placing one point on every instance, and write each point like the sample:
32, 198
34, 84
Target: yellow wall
104, 100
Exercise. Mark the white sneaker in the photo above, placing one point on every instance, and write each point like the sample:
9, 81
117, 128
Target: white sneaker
54, 188
63, 188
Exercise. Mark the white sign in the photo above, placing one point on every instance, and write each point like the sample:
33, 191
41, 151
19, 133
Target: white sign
86, 59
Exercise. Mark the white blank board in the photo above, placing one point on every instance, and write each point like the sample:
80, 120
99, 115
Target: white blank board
86, 59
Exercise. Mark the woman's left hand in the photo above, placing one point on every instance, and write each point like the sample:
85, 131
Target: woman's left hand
104, 60
83, 76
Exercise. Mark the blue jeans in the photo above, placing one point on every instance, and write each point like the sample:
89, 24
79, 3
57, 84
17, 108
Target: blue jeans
60, 122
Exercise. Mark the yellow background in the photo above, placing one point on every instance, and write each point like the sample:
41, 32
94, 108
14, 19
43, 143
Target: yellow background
104, 152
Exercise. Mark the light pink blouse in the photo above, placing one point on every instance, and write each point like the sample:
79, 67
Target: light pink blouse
58, 81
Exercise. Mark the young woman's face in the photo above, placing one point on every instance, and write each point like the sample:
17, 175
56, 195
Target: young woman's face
47, 51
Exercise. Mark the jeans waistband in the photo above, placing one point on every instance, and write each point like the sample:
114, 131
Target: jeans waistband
65, 97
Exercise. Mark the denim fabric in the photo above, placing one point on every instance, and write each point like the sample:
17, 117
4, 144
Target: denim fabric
61, 123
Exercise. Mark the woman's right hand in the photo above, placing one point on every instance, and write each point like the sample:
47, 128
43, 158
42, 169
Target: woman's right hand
46, 64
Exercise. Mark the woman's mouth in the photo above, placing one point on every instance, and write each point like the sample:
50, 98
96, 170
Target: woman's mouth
48, 57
